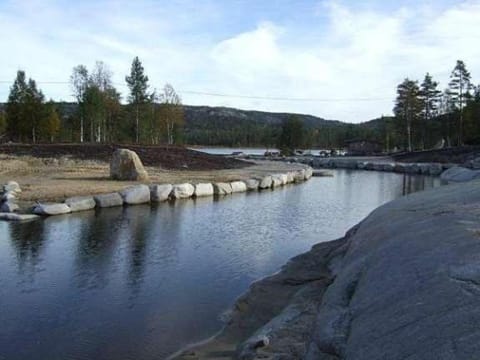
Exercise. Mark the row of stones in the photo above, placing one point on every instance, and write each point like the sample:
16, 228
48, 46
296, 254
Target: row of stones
141, 194
8, 199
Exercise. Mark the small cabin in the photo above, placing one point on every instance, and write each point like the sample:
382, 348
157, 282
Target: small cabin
362, 147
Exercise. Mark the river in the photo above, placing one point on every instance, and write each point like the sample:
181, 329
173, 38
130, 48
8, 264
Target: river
141, 282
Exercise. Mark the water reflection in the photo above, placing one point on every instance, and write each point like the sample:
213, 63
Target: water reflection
140, 282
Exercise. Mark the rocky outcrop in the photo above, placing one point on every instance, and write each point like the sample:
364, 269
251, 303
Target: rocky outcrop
182, 191
203, 189
459, 174
126, 165
402, 284
51, 209
80, 203
160, 193
108, 200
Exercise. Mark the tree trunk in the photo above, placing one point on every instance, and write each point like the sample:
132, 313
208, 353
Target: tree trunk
136, 122
81, 128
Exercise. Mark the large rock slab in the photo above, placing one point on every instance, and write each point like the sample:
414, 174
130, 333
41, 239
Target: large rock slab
222, 188
134, 195
203, 189
52, 209
108, 200
182, 191
238, 186
126, 165
459, 174
160, 193
80, 203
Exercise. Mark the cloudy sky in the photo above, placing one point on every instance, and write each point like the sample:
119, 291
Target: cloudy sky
335, 59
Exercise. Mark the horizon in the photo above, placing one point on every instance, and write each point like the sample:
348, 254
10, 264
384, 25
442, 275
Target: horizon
304, 52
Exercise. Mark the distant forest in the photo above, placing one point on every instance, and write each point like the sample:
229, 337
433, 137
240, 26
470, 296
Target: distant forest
424, 116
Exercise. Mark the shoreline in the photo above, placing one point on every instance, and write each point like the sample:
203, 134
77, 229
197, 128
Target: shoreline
358, 296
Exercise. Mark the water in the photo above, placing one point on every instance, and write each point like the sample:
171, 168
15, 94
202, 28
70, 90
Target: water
141, 282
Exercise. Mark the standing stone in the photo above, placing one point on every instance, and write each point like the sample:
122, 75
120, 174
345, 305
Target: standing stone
182, 191
159, 193
222, 188
205, 189
138, 194
238, 186
80, 203
108, 200
126, 165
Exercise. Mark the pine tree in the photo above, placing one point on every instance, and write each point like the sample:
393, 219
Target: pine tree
15, 108
138, 84
51, 124
34, 108
430, 98
408, 108
459, 89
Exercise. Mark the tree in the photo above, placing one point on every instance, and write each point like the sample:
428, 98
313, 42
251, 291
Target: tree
51, 125
292, 135
79, 84
138, 84
34, 108
408, 108
171, 114
3, 124
430, 97
459, 88
15, 108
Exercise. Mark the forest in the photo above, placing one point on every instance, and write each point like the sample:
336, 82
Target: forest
424, 116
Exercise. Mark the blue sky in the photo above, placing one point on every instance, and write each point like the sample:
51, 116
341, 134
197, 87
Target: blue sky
336, 59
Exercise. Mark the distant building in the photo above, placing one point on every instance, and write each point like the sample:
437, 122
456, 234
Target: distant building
362, 147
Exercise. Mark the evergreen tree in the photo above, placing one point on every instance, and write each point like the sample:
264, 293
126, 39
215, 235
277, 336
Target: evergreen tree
291, 136
138, 84
51, 124
459, 88
408, 108
3, 124
34, 108
15, 108
430, 98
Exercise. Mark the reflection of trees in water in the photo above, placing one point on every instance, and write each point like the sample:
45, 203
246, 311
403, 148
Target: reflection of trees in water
28, 241
414, 183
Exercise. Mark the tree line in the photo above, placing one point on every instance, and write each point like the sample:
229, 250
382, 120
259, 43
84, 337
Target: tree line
151, 117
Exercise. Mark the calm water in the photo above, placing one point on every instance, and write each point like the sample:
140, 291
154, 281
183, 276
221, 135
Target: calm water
141, 282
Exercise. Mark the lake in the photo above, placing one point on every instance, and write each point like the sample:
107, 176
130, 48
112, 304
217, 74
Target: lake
142, 282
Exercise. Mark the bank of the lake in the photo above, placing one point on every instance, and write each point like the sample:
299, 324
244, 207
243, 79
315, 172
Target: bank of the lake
403, 283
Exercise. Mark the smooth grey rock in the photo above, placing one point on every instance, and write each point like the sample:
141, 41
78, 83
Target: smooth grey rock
203, 189
9, 207
80, 203
18, 217
266, 182
300, 175
51, 209
160, 193
290, 177
435, 169
459, 174
309, 173
126, 165
137, 194
108, 200
276, 181
182, 191
252, 184
238, 186
12, 186
221, 188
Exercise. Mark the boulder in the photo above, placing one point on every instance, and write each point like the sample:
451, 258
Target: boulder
12, 186
412, 169
252, 184
459, 174
290, 177
424, 169
389, 167
399, 168
9, 196
159, 193
108, 200
238, 186
276, 181
222, 188
435, 169
203, 189
300, 176
52, 209
266, 182
9, 207
309, 173
182, 191
80, 203
138, 194
126, 165
18, 217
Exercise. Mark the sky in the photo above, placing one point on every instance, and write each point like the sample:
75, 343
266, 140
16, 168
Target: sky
338, 60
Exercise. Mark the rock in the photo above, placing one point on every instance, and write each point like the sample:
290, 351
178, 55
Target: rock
388, 167
424, 168
412, 169
459, 174
309, 172
276, 181
399, 168
126, 165
18, 217
160, 193
266, 182
80, 203
435, 169
203, 189
9, 207
360, 165
252, 184
290, 177
300, 176
138, 194
182, 191
238, 186
12, 186
9, 196
108, 200
475, 163
222, 188
52, 209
